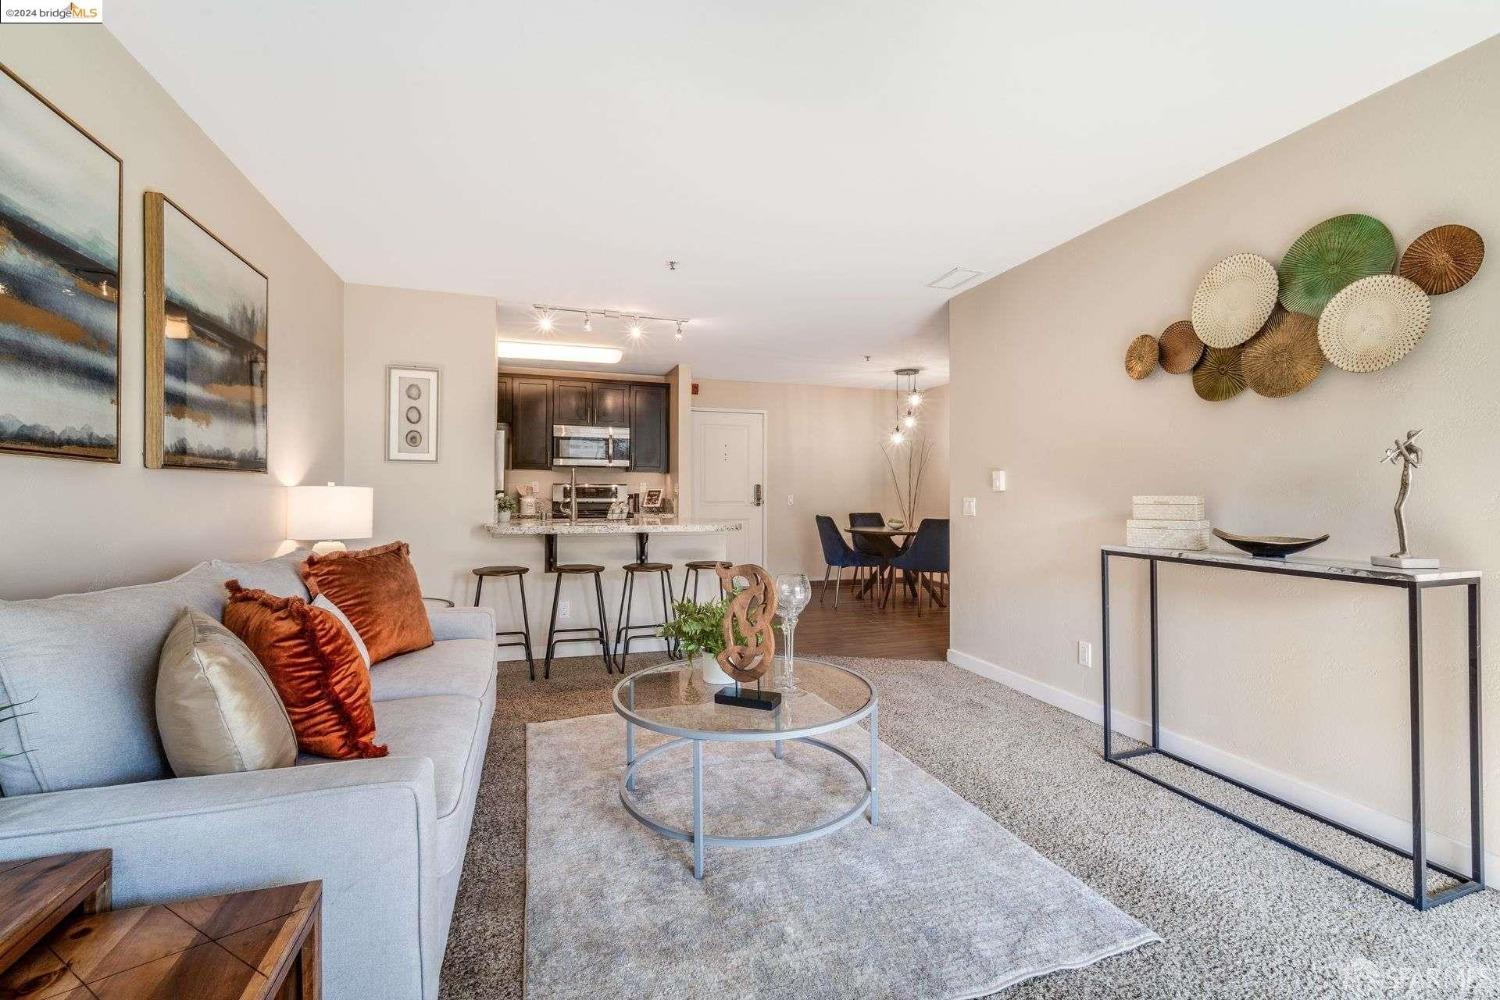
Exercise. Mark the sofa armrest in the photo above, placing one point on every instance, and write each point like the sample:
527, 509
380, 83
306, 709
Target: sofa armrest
365, 827
461, 623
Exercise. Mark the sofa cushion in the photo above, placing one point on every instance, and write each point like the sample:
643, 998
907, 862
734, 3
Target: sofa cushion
441, 728
277, 576
84, 665
455, 666
216, 709
316, 669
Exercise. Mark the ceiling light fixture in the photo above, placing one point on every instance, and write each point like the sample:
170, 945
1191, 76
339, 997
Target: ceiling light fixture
906, 386
547, 319
528, 351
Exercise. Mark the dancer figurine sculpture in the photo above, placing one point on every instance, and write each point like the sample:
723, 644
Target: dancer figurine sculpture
1410, 456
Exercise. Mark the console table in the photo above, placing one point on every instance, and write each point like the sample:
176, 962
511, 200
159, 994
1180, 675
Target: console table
1414, 582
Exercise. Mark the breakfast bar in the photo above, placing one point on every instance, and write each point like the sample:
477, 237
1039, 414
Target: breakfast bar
642, 527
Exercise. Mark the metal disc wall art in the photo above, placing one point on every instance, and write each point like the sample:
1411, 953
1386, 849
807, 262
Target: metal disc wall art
1219, 376
1443, 259
1180, 348
1234, 300
1141, 357
1285, 358
1329, 256
1373, 323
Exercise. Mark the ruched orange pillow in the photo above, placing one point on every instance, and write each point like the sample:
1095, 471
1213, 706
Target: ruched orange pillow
315, 668
377, 590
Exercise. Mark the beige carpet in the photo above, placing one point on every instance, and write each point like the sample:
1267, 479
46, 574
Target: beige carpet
1240, 917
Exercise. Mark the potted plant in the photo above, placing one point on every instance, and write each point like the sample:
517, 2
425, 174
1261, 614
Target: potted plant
698, 630
505, 506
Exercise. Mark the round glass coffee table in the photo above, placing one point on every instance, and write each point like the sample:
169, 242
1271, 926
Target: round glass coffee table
673, 699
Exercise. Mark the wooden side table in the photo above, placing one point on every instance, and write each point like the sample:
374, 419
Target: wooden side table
257, 945
37, 894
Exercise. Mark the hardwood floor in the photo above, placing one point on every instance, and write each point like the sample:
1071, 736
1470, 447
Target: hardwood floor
859, 628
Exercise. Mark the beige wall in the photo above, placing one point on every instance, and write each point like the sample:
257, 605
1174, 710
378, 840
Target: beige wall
73, 525
1306, 679
823, 449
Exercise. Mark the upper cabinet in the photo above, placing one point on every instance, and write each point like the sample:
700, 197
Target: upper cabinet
650, 449
533, 405
531, 423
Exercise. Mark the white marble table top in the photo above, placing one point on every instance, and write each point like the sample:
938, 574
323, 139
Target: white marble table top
1304, 564
599, 526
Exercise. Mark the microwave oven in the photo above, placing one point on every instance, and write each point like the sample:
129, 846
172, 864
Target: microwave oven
608, 447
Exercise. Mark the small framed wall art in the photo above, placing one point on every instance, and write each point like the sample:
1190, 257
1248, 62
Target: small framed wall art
207, 347
411, 413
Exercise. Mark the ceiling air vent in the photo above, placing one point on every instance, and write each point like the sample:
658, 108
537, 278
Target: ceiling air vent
955, 278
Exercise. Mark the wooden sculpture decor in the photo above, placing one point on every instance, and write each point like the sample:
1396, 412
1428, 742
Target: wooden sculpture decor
1345, 297
749, 638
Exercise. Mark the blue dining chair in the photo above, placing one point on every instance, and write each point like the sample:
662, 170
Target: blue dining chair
926, 556
839, 556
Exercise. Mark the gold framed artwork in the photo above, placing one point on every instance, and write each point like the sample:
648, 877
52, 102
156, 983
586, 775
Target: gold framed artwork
207, 347
60, 211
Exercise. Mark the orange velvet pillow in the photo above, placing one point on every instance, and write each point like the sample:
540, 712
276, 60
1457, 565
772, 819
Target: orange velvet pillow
377, 590
315, 667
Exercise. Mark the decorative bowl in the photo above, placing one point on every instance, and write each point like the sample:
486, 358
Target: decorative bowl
1269, 546
895, 524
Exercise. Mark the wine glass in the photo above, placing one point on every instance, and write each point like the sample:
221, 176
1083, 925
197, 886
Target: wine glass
793, 592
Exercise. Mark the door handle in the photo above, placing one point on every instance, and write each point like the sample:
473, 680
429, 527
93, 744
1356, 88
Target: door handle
758, 496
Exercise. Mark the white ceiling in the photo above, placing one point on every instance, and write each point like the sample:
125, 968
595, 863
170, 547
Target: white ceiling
812, 165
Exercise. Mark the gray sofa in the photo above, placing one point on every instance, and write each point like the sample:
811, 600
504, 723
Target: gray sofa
386, 836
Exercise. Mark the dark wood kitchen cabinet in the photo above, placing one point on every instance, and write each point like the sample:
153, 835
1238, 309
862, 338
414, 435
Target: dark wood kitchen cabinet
572, 402
503, 409
531, 423
650, 449
612, 404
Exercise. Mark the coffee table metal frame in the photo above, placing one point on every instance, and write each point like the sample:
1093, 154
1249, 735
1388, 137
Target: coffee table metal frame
624, 702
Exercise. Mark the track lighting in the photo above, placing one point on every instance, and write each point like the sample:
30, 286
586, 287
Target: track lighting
544, 322
678, 335
635, 328
588, 323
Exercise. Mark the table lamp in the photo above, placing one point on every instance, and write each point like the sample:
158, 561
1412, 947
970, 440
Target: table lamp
329, 512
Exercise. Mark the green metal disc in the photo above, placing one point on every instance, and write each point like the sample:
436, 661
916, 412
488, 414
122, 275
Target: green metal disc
1331, 255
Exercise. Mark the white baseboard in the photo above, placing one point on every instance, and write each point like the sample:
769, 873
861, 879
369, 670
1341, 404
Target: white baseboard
1371, 822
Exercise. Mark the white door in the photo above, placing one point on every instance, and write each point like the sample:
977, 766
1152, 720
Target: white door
729, 467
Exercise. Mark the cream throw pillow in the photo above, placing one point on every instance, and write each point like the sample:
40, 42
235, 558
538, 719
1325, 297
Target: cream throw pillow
216, 709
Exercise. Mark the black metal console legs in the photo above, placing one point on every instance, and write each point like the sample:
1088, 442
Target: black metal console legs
1417, 896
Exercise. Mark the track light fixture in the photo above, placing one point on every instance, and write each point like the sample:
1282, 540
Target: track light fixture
908, 399
635, 322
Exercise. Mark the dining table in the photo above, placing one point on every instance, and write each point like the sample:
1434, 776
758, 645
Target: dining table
902, 537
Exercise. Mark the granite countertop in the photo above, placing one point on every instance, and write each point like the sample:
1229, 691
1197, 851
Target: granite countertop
1304, 564
599, 526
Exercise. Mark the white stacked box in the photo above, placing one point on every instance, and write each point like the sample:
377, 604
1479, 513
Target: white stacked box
1167, 522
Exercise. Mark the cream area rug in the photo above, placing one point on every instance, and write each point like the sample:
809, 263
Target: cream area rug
937, 901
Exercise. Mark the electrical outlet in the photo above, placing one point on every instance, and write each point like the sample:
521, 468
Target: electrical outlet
1085, 654
971, 506
997, 480
564, 610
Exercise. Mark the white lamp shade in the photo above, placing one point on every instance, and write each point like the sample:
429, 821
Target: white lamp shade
330, 512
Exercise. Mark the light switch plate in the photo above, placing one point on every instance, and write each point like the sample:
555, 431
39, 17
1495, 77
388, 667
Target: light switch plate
997, 480
789, 499
971, 506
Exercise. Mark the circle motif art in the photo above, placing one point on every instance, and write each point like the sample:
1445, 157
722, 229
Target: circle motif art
1330, 256
414, 392
1141, 357
1285, 358
413, 439
1443, 259
1234, 299
413, 415
1374, 323
1219, 376
1180, 348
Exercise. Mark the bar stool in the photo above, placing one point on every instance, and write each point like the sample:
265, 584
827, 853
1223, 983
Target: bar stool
623, 628
599, 635
501, 572
694, 569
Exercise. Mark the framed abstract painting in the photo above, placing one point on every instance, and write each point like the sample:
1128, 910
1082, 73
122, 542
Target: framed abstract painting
207, 334
411, 413
59, 282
